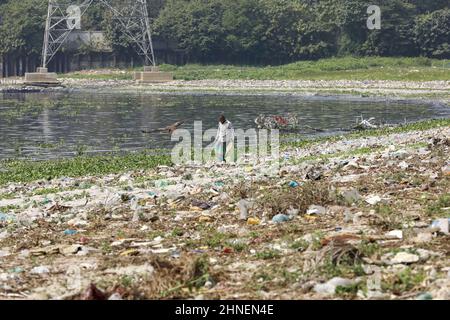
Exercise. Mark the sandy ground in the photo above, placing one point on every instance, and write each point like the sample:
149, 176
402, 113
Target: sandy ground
350, 219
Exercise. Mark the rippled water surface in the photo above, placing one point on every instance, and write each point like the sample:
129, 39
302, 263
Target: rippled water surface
54, 125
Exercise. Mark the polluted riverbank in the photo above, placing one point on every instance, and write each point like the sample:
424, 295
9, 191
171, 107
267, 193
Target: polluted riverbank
386, 90
353, 218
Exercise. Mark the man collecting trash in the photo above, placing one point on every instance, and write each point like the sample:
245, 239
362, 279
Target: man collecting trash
224, 139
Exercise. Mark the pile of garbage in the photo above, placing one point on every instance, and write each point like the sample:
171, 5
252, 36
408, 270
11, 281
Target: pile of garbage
366, 218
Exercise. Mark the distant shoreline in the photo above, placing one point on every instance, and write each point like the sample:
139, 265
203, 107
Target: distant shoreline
378, 90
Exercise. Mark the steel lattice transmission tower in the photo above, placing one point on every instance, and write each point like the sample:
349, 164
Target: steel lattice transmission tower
64, 16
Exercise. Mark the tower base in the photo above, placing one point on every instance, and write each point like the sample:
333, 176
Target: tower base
42, 78
152, 75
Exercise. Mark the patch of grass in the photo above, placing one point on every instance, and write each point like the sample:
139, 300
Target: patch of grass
200, 273
9, 195
436, 208
10, 207
268, 254
106, 247
317, 238
368, 249
237, 246
300, 245
404, 281
289, 277
347, 292
298, 198
177, 232
349, 68
26, 171
216, 239
46, 191
126, 281
387, 218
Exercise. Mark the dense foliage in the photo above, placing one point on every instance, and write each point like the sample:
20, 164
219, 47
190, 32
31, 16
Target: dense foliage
259, 31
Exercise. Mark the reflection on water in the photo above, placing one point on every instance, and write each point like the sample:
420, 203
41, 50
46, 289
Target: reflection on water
58, 125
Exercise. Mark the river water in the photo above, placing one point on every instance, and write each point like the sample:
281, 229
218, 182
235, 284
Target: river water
54, 125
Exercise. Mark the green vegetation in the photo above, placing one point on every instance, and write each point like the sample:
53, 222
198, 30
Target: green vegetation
279, 31
26, 171
436, 208
268, 254
344, 68
348, 68
255, 32
405, 280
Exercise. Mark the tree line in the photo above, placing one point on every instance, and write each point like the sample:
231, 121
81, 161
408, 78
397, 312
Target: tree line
258, 31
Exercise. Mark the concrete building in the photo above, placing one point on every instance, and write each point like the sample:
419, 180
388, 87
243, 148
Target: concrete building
88, 50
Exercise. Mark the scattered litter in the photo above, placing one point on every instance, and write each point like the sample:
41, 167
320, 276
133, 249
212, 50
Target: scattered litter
351, 196
329, 288
201, 204
395, 233
40, 270
4, 253
143, 270
244, 206
293, 184
280, 218
316, 210
253, 221
70, 232
116, 296
205, 219
442, 224
424, 296
404, 258
373, 200
7, 218
423, 237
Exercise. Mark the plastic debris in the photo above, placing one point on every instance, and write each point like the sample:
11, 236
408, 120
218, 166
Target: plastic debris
201, 204
70, 232
115, 296
293, 184
373, 200
280, 218
396, 234
404, 258
316, 210
329, 288
351, 196
161, 184
442, 224
205, 219
40, 270
7, 218
244, 206
424, 296
253, 221
4, 253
